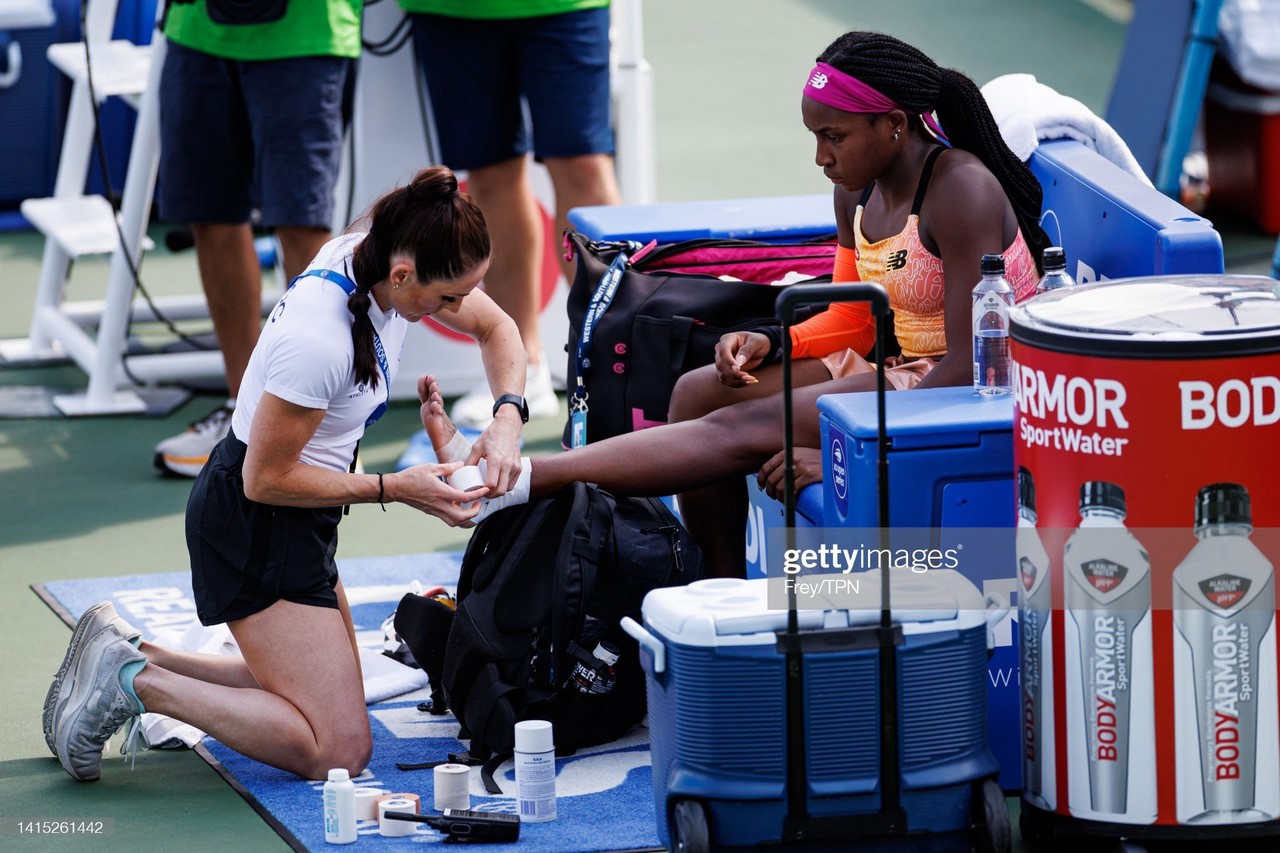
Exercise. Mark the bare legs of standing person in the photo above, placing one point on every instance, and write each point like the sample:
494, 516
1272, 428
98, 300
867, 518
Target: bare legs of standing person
231, 276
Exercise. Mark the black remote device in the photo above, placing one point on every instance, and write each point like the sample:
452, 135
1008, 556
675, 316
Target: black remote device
467, 825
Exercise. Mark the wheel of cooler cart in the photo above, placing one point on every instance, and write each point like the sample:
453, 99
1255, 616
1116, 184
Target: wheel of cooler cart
992, 832
689, 830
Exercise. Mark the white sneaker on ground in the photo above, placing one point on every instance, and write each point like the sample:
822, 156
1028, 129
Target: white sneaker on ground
474, 410
185, 454
100, 617
92, 704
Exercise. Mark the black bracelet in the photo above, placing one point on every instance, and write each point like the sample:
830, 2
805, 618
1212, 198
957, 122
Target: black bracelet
380, 493
774, 334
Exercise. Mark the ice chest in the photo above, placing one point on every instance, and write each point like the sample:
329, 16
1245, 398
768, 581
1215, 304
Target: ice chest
27, 101
716, 693
950, 466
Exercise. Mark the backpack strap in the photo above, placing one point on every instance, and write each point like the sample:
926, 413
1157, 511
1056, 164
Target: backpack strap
584, 554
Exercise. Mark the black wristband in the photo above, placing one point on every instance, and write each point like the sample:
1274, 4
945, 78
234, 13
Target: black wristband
774, 334
381, 493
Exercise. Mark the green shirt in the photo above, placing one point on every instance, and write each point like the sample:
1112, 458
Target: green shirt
494, 9
308, 28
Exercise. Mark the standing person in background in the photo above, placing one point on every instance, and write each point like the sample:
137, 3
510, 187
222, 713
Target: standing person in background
262, 519
913, 213
254, 101
485, 62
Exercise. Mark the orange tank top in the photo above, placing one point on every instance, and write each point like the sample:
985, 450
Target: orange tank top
912, 277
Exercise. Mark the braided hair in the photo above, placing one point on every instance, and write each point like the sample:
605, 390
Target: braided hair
915, 81
431, 220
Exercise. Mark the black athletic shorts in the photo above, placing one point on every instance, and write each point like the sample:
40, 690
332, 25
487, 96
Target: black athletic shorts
245, 556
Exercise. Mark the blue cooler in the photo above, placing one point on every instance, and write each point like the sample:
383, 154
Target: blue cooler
950, 466
28, 119
717, 696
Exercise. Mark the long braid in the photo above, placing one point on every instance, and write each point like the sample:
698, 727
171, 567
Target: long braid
915, 81
369, 264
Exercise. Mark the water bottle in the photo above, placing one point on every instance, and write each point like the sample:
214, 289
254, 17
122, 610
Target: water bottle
992, 299
1055, 275
1223, 608
601, 680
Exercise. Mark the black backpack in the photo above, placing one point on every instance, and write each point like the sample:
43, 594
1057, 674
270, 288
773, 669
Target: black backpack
541, 585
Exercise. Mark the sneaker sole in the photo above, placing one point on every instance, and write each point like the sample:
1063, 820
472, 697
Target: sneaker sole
180, 466
73, 649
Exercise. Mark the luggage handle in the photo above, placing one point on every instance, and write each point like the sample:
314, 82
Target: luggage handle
997, 608
890, 817
642, 636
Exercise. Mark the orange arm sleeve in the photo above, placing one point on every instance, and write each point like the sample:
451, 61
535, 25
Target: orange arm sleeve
845, 325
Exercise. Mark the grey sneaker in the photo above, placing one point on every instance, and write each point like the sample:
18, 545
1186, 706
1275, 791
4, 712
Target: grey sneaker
185, 453
91, 706
99, 617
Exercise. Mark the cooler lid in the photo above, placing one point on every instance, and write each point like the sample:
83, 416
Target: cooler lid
726, 611
26, 14
1186, 316
926, 417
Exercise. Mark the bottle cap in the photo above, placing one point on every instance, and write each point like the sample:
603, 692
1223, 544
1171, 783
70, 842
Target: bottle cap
339, 774
606, 653
1102, 493
1054, 259
1026, 489
993, 264
1223, 503
534, 736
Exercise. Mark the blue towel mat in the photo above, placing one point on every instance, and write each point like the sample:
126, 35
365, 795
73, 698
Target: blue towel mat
605, 794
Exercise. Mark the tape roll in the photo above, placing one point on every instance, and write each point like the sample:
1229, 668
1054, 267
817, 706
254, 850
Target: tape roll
395, 828
367, 803
465, 478
414, 799
452, 787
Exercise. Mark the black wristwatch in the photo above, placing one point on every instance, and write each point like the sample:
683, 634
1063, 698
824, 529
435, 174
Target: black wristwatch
515, 400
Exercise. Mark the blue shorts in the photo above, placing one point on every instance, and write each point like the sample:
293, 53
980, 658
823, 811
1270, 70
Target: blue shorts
482, 73
235, 136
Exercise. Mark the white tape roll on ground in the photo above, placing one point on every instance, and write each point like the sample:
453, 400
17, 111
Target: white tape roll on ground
395, 828
452, 786
367, 803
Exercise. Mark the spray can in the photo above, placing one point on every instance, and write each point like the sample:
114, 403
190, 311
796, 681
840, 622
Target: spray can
535, 760
1224, 604
1035, 605
1110, 737
339, 807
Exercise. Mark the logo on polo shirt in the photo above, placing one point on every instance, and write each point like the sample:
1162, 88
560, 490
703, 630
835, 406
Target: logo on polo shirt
818, 80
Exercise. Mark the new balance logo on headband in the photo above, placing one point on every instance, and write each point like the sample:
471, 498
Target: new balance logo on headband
818, 80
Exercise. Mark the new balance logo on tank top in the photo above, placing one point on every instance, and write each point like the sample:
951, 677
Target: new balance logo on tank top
913, 278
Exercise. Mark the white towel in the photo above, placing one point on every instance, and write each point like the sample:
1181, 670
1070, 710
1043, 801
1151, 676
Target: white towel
1027, 111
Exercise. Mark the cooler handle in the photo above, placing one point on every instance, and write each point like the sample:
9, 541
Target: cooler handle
997, 609
650, 642
12, 68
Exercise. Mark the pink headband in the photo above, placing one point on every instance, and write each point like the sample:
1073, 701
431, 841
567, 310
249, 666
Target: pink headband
831, 86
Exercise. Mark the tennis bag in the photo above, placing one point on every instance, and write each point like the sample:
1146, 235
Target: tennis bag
639, 317
541, 585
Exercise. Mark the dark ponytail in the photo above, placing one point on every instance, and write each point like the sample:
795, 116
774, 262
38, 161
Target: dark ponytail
912, 79
432, 221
